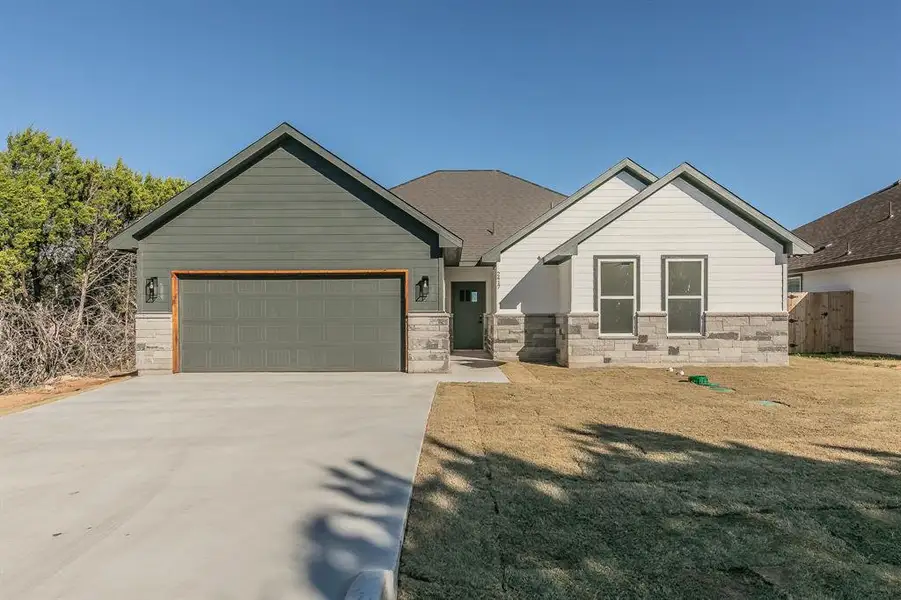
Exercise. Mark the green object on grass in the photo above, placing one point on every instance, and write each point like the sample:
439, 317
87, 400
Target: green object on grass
704, 382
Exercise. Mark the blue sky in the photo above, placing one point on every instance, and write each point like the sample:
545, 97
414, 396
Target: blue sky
795, 106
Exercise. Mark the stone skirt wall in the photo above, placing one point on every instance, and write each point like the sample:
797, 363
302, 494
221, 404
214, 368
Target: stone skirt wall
428, 342
521, 337
153, 343
728, 339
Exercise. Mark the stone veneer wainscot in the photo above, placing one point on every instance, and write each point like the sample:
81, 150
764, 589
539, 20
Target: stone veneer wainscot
728, 339
153, 343
521, 337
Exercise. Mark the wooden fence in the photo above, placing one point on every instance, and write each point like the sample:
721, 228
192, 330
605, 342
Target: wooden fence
820, 322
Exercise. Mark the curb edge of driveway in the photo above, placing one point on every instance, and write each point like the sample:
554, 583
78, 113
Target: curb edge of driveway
372, 585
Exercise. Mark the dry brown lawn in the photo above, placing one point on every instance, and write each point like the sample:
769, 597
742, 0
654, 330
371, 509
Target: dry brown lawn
629, 483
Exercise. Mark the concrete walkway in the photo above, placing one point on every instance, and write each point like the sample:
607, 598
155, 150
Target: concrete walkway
244, 486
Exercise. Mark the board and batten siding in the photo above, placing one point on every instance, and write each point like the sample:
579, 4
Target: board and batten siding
527, 286
877, 290
290, 211
745, 271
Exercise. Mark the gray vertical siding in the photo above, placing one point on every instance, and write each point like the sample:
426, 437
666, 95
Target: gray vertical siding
290, 211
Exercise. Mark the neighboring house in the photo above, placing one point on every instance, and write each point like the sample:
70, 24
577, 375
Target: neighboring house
858, 248
286, 258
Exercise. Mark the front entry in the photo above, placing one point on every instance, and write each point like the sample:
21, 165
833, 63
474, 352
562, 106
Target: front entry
468, 306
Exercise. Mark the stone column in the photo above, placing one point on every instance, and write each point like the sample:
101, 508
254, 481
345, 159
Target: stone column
428, 342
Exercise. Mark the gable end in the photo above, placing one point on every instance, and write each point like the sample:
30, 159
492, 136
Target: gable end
314, 154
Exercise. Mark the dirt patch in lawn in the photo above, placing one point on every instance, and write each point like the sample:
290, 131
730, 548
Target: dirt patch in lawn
630, 483
51, 392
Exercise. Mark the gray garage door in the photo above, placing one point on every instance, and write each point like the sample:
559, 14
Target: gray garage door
290, 324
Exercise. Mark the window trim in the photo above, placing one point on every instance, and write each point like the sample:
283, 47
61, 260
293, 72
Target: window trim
635, 259
800, 278
664, 289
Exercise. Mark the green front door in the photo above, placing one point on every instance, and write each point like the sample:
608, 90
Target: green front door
468, 306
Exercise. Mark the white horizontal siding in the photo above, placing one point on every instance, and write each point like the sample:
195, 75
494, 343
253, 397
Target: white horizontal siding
743, 274
877, 290
524, 284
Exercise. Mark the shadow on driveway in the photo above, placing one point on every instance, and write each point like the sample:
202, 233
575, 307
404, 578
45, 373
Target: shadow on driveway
364, 532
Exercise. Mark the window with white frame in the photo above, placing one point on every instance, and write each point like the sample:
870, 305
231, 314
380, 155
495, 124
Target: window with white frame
685, 291
795, 283
617, 295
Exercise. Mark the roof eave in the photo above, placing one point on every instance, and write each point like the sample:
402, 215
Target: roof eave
792, 244
849, 263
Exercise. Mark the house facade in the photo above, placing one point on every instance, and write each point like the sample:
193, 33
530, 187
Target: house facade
286, 258
858, 248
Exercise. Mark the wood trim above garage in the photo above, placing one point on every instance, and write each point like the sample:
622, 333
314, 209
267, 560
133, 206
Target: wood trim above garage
403, 273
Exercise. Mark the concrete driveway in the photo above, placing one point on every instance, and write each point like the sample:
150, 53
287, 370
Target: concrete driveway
269, 486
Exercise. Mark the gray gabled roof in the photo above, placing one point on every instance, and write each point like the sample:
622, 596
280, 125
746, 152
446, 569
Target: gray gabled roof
127, 239
627, 164
791, 243
481, 206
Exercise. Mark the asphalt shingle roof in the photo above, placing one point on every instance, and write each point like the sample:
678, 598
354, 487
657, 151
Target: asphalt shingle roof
482, 207
863, 226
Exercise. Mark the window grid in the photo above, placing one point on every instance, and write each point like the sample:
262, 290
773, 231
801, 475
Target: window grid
701, 296
633, 297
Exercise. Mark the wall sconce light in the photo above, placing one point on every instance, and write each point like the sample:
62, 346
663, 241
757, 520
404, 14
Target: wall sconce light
422, 288
151, 289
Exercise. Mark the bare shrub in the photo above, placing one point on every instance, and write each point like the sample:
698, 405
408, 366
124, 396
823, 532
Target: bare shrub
40, 342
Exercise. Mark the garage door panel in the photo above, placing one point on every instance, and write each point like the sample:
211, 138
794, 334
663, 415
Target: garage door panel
187, 287
279, 359
251, 308
310, 287
339, 306
283, 287
366, 286
194, 334
220, 306
366, 307
386, 307
194, 358
281, 308
311, 307
252, 334
281, 324
221, 357
194, 306
221, 286
338, 287
310, 333
337, 332
363, 333
250, 286
280, 334
223, 334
